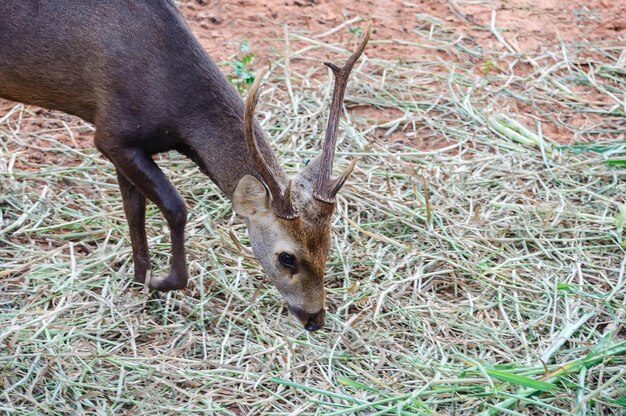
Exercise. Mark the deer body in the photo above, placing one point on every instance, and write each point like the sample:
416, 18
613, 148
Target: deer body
135, 71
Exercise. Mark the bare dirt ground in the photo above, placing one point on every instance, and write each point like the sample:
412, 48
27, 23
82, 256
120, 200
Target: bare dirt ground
525, 27
221, 25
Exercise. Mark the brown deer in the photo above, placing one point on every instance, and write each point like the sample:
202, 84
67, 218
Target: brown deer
135, 71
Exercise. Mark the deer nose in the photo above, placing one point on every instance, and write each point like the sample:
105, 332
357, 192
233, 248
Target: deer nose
311, 321
315, 321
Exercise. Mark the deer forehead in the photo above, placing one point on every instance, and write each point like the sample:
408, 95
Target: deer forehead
315, 214
301, 237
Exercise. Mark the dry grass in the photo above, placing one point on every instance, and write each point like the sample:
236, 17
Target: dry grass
486, 276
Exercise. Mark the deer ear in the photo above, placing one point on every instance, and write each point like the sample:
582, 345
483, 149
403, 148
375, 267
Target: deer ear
250, 197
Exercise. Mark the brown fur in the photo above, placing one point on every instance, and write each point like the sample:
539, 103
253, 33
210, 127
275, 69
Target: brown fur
306, 237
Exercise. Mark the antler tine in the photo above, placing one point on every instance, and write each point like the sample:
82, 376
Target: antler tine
338, 183
287, 198
327, 187
282, 207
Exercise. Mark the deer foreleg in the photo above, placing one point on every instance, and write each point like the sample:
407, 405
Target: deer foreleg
141, 173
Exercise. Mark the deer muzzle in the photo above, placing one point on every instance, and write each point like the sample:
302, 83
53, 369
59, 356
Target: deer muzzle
310, 321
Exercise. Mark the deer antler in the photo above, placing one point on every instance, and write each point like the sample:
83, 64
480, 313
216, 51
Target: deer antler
327, 187
281, 199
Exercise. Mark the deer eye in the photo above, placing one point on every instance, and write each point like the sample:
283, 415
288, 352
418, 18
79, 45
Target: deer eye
287, 259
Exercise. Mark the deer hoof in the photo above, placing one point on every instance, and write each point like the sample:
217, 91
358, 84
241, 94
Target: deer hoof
173, 281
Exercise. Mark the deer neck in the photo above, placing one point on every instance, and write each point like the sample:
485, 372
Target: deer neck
218, 146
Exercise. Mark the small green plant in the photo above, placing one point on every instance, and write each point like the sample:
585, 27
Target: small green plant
490, 66
356, 31
242, 76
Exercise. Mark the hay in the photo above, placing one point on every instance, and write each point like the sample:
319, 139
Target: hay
483, 276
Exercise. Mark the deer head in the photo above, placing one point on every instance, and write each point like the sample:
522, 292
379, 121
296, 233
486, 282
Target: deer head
289, 218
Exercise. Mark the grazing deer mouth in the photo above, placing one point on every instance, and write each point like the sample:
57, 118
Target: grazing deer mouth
311, 321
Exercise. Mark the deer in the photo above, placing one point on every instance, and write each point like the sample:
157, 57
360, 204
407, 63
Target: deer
134, 70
